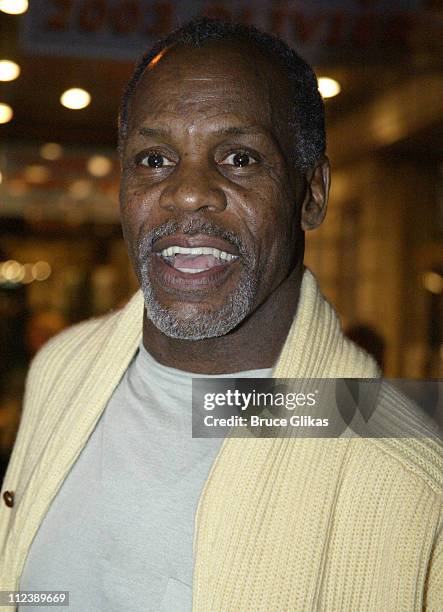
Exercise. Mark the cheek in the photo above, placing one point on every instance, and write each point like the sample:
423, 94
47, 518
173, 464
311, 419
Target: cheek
129, 229
272, 219
137, 206
272, 223
133, 215
133, 197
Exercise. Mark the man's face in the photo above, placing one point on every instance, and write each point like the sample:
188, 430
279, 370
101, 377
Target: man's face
208, 203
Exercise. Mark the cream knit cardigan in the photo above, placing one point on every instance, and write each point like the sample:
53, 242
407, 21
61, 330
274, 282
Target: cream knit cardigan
327, 525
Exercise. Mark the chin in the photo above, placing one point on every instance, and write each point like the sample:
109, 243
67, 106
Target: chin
195, 321
202, 313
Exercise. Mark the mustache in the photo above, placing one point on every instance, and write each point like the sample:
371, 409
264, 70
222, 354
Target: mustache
190, 227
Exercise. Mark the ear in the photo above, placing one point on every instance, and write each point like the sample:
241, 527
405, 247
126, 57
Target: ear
316, 196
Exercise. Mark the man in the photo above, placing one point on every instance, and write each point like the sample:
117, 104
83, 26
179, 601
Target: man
107, 496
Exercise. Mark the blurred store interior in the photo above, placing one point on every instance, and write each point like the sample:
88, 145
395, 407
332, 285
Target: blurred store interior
379, 254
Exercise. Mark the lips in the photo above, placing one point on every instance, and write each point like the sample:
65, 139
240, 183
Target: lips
193, 262
195, 254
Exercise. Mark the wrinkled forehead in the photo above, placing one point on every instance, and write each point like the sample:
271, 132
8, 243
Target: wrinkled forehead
222, 76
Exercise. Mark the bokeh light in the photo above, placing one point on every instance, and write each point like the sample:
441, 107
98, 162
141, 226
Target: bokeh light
9, 70
6, 113
14, 7
99, 165
51, 151
75, 98
433, 282
328, 87
37, 174
41, 270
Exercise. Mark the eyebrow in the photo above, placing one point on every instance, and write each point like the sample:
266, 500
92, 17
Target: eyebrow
227, 131
252, 129
152, 132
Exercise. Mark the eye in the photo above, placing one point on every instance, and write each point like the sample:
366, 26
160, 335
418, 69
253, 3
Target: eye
239, 159
155, 160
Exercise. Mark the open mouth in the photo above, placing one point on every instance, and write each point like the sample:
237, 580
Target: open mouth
195, 260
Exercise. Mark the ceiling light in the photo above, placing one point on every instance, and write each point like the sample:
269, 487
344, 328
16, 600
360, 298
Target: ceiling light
75, 98
14, 7
51, 151
328, 87
8, 70
99, 166
6, 113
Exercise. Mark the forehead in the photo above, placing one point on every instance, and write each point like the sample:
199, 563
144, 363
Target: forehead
194, 84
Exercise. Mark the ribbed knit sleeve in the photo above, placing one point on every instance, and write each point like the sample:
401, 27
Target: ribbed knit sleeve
333, 524
44, 370
433, 597
67, 388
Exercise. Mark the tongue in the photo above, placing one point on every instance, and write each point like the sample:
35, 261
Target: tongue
195, 261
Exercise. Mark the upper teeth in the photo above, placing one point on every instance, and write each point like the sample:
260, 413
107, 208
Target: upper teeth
173, 250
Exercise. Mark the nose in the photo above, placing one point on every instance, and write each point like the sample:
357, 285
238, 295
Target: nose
192, 188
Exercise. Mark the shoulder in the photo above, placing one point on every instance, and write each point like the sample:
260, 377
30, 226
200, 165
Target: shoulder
71, 341
407, 441
419, 459
77, 347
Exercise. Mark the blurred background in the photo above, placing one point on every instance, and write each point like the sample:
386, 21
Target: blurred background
379, 254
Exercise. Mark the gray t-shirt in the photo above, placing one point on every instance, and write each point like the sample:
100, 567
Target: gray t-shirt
119, 533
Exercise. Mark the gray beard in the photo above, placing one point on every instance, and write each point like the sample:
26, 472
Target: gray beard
211, 323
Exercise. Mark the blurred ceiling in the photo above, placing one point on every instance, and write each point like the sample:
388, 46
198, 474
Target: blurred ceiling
366, 78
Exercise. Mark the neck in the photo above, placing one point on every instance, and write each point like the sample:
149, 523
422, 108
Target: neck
256, 343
